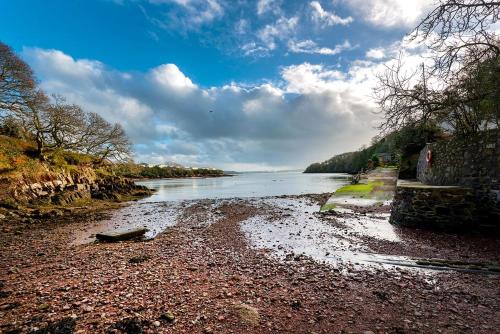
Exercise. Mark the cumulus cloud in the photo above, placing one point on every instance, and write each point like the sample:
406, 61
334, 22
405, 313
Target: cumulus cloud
170, 77
313, 113
308, 78
391, 13
325, 18
309, 46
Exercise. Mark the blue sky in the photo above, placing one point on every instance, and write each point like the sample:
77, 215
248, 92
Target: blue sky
289, 81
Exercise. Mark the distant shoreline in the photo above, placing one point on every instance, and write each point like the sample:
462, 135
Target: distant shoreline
180, 177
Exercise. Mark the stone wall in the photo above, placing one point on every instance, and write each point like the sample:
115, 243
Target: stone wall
472, 162
459, 189
441, 207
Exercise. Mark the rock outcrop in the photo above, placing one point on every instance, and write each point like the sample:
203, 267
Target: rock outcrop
66, 187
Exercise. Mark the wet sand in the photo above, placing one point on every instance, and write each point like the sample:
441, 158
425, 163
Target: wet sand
258, 265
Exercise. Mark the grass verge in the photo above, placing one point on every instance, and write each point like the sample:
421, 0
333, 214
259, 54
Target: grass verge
359, 190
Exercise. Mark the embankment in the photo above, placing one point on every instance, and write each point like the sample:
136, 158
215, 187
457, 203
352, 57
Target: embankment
63, 179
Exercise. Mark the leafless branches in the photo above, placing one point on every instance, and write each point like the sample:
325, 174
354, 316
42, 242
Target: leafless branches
460, 34
16, 81
466, 63
405, 98
55, 124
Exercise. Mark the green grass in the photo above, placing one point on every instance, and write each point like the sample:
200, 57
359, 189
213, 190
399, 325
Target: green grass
359, 190
328, 207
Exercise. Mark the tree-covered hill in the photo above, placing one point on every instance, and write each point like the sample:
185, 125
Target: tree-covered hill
353, 162
400, 147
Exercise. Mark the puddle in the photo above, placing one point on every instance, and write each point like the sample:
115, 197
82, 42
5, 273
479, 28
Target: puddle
156, 217
299, 230
354, 201
372, 225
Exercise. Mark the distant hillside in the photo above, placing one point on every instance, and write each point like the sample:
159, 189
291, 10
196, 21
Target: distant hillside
353, 162
137, 171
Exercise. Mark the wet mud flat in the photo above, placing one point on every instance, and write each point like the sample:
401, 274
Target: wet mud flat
258, 265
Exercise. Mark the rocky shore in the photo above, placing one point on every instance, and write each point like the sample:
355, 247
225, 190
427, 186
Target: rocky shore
64, 188
213, 271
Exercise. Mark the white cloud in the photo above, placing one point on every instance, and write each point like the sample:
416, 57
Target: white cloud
308, 78
253, 49
242, 26
169, 76
377, 53
325, 18
311, 47
391, 13
281, 29
189, 14
168, 118
265, 6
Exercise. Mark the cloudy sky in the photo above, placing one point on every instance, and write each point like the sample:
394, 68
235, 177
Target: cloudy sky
235, 84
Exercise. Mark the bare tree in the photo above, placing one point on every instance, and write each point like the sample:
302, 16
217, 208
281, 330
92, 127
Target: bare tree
104, 140
459, 32
465, 61
65, 124
405, 98
33, 118
71, 128
16, 81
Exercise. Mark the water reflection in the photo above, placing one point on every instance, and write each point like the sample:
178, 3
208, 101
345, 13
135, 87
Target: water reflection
302, 231
244, 185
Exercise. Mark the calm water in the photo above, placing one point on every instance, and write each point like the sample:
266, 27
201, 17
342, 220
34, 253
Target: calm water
244, 185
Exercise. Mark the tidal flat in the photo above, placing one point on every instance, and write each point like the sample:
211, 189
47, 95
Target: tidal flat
243, 265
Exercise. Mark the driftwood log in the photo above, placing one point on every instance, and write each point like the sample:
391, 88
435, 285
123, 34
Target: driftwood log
121, 234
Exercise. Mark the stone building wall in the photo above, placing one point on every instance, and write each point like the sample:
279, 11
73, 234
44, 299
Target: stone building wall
459, 189
471, 162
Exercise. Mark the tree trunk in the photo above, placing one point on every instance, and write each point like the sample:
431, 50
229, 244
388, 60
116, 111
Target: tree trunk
39, 150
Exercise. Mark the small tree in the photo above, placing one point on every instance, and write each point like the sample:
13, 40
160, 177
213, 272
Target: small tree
16, 81
375, 160
10, 127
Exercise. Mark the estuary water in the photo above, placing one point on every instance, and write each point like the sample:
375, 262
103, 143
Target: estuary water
244, 185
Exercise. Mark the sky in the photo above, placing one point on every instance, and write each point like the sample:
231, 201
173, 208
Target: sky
233, 84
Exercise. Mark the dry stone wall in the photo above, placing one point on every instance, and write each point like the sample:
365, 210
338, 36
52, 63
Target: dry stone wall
460, 188
471, 162
440, 208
